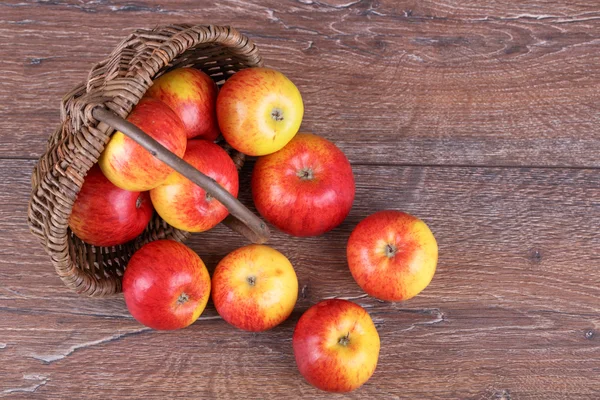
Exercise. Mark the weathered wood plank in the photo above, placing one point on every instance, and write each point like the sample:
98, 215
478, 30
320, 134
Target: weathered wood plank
392, 82
512, 311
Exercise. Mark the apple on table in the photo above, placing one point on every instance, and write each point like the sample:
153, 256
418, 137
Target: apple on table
392, 255
306, 188
255, 288
166, 285
336, 345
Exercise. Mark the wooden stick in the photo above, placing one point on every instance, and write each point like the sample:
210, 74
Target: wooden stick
240, 220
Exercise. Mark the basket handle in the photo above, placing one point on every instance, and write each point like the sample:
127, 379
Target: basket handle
240, 220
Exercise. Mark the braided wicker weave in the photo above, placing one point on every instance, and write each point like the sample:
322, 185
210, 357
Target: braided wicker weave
118, 83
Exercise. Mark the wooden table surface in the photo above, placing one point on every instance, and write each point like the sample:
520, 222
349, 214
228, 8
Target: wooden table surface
479, 116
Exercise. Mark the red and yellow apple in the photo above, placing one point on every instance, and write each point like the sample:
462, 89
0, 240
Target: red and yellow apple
255, 288
259, 111
336, 345
392, 255
166, 285
306, 188
185, 205
192, 94
105, 215
127, 164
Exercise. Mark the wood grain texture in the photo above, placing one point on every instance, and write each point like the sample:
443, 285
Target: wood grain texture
512, 311
394, 82
480, 117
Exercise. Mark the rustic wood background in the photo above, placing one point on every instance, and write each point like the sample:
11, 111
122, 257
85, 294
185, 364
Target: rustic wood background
479, 116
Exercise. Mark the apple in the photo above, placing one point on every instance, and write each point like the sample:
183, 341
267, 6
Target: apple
127, 164
187, 206
306, 188
392, 255
105, 215
255, 288
166, 285
259, 111
192, 94
336, 345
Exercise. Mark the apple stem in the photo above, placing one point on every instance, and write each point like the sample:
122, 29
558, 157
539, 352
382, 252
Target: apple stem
390, 250
277, 114
138, 202
306, 174
183, 298
345, 340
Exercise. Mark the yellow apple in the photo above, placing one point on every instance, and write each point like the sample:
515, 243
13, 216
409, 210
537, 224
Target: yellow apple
259, 111
254, 288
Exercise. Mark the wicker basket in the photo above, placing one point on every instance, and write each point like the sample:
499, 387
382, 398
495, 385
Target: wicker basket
117, 84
